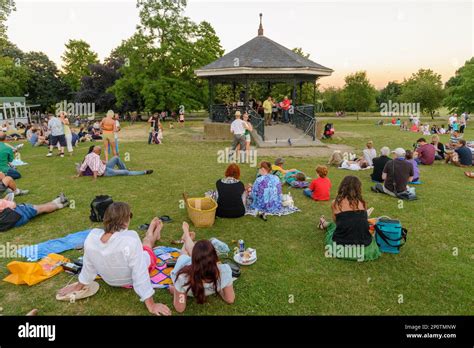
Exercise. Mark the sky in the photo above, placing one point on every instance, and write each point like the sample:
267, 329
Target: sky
390, 40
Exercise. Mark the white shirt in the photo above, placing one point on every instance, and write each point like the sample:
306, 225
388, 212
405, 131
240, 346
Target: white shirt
369, 155
120, 261
452, 119
237, 127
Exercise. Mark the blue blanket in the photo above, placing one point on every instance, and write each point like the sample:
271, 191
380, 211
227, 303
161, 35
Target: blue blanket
55, 246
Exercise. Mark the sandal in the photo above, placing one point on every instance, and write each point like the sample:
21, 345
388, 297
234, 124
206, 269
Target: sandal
144, 227
322, 221
165, 218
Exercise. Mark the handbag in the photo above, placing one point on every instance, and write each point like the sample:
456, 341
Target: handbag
390, 235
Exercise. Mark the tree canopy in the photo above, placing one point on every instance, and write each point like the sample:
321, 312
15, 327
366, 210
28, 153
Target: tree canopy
76, 60
460, 89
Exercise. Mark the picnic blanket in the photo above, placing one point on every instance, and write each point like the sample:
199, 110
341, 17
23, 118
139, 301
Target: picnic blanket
283, 211
55, 246
160, 276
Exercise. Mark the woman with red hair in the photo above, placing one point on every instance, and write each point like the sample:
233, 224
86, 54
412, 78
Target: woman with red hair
230, 191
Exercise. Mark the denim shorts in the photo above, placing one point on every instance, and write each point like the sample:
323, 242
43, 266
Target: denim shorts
27, 212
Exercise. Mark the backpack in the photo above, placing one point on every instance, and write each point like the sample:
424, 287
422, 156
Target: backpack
390, 235
98, 207
8, 219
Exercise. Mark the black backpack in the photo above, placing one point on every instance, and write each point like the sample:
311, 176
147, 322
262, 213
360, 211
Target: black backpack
98, 207
8, 219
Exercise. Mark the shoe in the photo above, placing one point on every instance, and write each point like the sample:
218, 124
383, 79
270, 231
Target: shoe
10, 197
18, 147
19, 192
63, 199
150, 171
49, 154
61, 155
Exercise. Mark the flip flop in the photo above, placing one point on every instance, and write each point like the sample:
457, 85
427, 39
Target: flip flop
165, 218
86, 291
143, 227
322, 220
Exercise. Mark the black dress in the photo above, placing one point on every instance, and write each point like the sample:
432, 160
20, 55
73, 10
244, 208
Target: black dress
229, 202
352, 228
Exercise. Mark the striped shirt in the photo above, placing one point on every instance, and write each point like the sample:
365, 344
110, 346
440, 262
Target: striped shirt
95, 164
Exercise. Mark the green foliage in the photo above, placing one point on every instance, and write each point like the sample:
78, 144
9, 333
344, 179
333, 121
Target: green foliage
161, 57
359, 93
460, 89
13, 78
6, 8
423, 87
45, 86
391, 92
76, 59
333, 99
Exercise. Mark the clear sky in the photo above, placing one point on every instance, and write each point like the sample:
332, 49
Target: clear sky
388, 39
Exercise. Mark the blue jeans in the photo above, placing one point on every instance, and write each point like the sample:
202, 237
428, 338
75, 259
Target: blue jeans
308, 193
13, 173
122, 171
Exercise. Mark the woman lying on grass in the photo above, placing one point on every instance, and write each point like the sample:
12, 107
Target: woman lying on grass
350, 232
198, 274
118, 255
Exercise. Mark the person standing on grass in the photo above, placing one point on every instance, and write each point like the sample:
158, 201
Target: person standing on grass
198, 273
154, 122
237, 128
56, 127
102, 168
108, 133
120, 258
67, 132
6, 157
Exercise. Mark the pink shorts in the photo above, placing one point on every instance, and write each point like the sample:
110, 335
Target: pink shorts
152, 258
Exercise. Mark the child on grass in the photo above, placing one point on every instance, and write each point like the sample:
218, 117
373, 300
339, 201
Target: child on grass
319, 189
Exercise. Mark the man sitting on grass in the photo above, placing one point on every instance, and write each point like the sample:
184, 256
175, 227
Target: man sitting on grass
16, 215
8, 185
462, 155
94, 164
6, 157
396, 174
379, 164
121, 259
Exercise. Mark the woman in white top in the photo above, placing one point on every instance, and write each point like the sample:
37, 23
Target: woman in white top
120, 258
370, 153
197, 273
67, 132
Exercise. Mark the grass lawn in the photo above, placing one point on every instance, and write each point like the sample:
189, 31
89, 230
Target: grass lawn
291, 276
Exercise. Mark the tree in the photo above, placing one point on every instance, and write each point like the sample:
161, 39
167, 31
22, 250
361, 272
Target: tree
13, 78
333, 99
44, 85
424, 88
161, 57
6, 8
76, 60
460, 89
359, 94
94, 87
391, 92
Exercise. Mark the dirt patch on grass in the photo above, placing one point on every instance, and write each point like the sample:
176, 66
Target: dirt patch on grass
319, 151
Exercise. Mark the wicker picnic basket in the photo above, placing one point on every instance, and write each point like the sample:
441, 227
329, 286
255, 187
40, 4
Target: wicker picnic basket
201, 211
